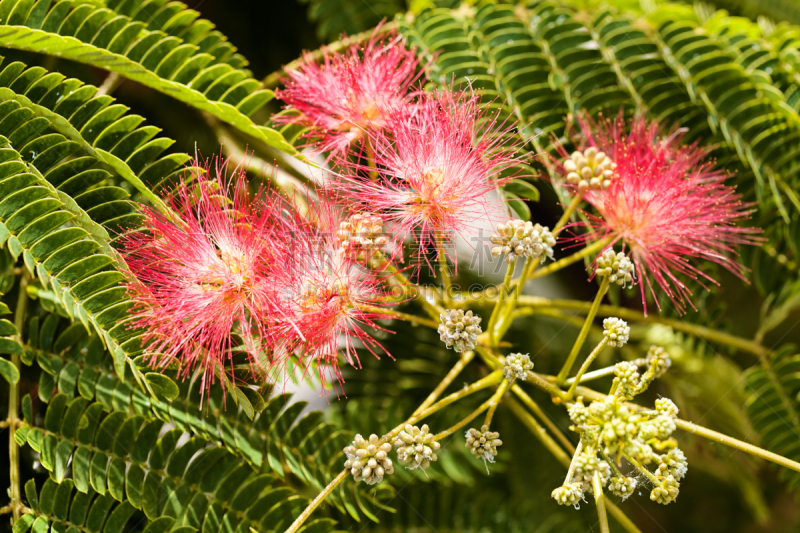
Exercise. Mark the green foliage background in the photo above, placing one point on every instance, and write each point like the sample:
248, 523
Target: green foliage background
103, 453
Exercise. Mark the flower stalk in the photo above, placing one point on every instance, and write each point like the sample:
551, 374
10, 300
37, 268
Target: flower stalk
14, 491
584, 367
562, 375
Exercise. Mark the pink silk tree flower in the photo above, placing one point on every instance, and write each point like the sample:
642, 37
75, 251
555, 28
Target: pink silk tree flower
351, 92
667, 204
326, 296
200, 278
434, 168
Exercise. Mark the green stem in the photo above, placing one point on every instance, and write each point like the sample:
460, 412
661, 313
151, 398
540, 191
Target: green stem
533, 406
571, 469
318, 500
565, 262
373, 172
391, 313
492, 402
600, 500
653, 479
595, 374
576, 200
448, 379
584, 367
578, 306
13, 403
493, 406
488, 381
493, 327
538, 431
576, 348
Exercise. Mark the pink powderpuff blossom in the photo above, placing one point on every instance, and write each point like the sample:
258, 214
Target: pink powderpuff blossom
200, 277
326, 297
350, 92
434, 168
667, 204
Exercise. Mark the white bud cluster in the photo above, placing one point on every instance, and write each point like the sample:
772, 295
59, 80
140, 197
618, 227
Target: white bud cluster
584, 467
459, 330
517, 366
622, 486
677, 463
616, 331
361, 234
483, 444
590, 169
617, 266
518, 238
627, 374
416, 447
568, 494
368, 460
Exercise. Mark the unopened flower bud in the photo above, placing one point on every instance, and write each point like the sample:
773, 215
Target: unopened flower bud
517, 366
483, 444
416, 447
367, 459
518, 238
617, 266
616, 331
459, 330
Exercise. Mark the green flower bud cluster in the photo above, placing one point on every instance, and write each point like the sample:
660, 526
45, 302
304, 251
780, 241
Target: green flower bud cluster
622, 486
483, 444
612, 428
459, 330
518, 238
631, 383
590, 169
568, 494
368, 460
416, 447
517, 366
617, 267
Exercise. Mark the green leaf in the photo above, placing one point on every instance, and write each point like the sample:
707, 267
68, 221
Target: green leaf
9, 371
163, 386
522, 189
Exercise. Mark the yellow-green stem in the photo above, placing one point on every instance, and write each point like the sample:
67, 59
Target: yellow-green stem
538, 431
576, 200
571, 469
488, 381
498, 310
593, 248
649, 475
373, 170
448, 379
584, 367
391, 313
576, 348
533, 406
300, 520
579, 306
493, 405
13, 403
594, 374
600, 500
493, 401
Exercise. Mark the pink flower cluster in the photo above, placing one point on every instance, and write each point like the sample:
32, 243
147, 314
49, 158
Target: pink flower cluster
232, 271
667, 204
